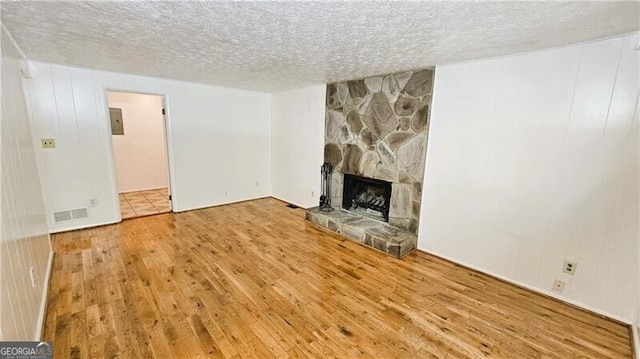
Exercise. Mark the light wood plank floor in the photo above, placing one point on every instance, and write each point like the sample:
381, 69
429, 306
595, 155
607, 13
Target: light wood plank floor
254, 280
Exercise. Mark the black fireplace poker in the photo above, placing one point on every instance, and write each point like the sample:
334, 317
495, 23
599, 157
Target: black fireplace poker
325, 197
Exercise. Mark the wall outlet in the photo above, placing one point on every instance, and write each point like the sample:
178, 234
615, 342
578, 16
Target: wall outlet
313, 194
32, 274
48, 142
558, 285
226, 192
569, 267
257, 183
93, 202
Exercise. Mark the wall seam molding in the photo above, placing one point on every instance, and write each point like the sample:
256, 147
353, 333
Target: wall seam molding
44, 303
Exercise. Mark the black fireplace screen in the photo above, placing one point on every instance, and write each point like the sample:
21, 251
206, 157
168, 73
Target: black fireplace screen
367, 196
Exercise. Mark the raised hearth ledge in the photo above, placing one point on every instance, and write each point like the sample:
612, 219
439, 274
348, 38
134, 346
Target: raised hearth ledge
386, 238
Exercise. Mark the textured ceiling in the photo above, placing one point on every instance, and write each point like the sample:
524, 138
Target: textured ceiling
271, 46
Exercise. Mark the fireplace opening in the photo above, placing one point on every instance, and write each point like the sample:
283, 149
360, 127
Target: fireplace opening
367, 196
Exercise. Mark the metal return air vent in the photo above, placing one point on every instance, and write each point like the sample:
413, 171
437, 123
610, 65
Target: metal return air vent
63, 216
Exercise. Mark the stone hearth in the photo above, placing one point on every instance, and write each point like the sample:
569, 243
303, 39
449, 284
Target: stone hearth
386, 238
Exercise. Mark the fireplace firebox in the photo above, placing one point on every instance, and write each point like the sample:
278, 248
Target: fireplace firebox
367, 196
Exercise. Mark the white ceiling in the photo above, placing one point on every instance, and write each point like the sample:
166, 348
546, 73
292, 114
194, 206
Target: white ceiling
271, 46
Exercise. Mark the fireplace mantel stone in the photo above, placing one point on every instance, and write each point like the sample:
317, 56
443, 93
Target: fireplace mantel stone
378, 128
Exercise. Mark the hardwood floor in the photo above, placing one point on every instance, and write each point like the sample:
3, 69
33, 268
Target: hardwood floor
254, 280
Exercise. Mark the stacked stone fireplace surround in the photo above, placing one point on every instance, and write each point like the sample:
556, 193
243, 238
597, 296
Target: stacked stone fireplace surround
378, 128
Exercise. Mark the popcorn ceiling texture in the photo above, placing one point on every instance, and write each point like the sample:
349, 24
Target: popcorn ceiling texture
272, 46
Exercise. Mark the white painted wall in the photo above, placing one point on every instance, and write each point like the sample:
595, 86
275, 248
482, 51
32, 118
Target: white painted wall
533, 159
297, 143
140, 154
24, 242
218, 141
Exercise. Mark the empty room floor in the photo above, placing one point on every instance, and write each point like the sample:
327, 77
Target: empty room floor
144, 203
255, 280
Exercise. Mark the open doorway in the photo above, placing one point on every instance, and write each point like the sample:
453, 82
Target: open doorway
140, 153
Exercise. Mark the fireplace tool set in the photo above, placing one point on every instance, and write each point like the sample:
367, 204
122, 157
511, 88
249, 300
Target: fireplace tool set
325, 197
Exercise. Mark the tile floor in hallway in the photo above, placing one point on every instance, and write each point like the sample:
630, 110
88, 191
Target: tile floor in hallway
144, 203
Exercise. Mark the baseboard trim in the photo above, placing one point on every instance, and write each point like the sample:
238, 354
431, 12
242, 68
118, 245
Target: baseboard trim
173, 210
43, 302
289, 202
219, 204
83, 226
573, 303
635, 341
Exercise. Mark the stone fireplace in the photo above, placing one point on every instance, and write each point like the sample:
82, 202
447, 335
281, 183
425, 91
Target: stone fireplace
377, 128
366, 196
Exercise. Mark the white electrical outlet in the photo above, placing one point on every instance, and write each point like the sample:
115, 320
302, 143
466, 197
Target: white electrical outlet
226, 192
257, 183
32, 274
48, 143
313, 194
558, 285
93, 202
569, 267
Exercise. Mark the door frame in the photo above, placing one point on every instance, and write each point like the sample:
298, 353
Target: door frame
168, 141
